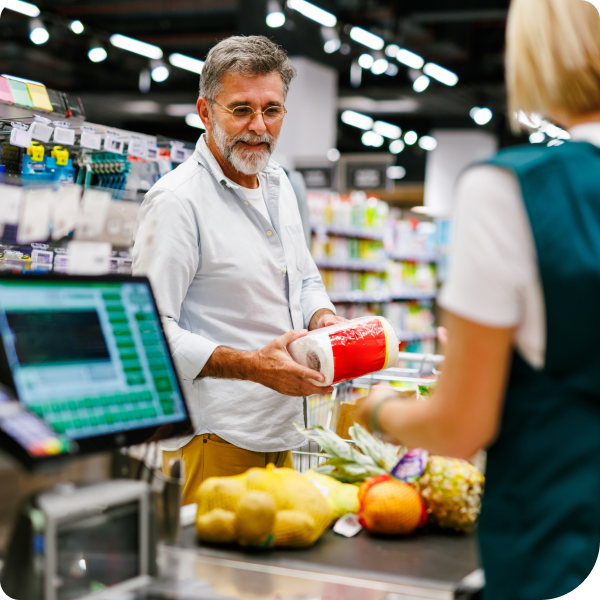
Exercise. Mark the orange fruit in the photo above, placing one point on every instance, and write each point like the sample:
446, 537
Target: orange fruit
391, 507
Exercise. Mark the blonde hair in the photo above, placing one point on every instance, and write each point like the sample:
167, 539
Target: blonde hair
553, 57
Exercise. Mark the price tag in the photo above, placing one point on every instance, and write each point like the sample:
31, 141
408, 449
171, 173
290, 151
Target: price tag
178, 154
20, 137
34, 222
10, 203
348, 525
63, 134
113, 144
137, 147
41, 132
89, 138
92, 218
66, 211
151, 151
89, 258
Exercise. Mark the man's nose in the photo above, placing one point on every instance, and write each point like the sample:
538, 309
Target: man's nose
258, 124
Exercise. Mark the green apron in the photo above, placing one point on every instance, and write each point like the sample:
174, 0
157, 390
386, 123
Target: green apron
539, 530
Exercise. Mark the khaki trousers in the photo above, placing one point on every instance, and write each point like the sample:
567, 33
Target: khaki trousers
209, 455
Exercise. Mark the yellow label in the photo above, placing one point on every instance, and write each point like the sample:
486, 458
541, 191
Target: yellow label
39, 96
387, 344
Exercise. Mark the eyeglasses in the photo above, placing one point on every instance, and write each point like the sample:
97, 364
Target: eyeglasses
245, 114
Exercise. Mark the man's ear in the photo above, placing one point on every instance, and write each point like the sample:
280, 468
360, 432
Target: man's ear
203, 107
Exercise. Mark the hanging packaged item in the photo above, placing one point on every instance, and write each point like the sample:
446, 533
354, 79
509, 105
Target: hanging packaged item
348, 350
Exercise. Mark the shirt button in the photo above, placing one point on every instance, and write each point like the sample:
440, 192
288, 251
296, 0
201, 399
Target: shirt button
246, 202
284, 270
269, 233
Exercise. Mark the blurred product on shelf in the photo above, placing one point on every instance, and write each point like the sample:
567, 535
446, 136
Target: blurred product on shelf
352, 211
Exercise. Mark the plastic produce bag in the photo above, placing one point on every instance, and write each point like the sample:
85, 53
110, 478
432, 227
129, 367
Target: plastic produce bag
348, 350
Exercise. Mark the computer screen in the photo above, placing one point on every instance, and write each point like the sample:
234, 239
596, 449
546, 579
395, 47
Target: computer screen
88, 355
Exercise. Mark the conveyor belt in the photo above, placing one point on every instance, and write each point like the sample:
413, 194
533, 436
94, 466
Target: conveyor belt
426, 560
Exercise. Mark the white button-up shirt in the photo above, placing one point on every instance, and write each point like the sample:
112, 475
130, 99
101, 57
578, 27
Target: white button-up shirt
224, 275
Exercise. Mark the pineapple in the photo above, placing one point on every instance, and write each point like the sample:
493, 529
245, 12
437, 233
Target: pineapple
451, 489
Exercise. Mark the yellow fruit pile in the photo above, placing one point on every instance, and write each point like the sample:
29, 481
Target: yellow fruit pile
390, 507
262, 507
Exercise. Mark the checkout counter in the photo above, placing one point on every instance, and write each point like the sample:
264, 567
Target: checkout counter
110, 383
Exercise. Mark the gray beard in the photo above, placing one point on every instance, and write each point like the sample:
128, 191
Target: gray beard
243, 161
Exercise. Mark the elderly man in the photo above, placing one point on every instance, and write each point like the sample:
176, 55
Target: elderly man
231, 271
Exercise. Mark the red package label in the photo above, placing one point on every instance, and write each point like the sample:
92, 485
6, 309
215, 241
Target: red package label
359, 350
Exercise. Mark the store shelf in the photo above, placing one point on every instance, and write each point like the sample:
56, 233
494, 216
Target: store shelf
411, 336
351, 265
353, 232
413, 295
414, 257
359, 296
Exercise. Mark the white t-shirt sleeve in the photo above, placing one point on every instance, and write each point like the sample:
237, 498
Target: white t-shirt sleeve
493, 262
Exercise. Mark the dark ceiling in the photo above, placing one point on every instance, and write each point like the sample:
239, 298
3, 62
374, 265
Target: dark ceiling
466, 36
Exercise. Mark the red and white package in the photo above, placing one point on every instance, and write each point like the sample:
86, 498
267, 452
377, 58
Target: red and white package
348, 350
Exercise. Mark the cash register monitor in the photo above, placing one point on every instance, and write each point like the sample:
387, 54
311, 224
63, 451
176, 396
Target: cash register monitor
87, 359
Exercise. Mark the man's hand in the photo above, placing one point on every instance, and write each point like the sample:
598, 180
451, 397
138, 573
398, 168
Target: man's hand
324, 318
271, 366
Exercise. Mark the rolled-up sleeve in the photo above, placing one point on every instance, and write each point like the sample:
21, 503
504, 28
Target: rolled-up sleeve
171, 260
313, 296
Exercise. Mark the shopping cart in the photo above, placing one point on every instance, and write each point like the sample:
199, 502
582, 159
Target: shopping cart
324, 409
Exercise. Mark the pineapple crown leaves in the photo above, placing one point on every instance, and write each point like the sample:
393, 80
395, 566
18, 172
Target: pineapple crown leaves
335, 446
384, 455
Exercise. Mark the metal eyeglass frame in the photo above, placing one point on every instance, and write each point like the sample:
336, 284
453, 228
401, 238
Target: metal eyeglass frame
254, 112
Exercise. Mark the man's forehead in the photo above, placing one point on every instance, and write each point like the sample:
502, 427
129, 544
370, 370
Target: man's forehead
266, 87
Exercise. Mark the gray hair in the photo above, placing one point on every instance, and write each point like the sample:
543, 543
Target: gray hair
248, 56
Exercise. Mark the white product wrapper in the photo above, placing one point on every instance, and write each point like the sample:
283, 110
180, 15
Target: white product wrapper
348, 350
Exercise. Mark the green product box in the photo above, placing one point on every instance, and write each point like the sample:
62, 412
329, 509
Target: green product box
77, 423
72, 405
128, 354
136, 380
55, 406
132, 367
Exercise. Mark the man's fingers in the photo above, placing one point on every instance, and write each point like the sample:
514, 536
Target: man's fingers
290, 336
305, 372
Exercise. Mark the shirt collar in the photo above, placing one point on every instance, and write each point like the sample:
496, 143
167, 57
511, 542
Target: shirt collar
205, 156
586, 132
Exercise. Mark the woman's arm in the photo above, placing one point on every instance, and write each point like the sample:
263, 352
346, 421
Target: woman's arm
463, 415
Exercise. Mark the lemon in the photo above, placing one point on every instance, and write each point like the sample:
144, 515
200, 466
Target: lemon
216, 526
255, 517
220, 492
294, 528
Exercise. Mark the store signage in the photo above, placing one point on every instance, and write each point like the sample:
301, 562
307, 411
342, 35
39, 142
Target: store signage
89, 138
317, 177
365, 176
63, 134
20, 135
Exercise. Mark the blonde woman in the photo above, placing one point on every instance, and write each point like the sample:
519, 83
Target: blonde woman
522, 369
